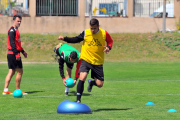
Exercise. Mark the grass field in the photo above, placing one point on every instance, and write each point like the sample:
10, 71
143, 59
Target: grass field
131, 47
128, 87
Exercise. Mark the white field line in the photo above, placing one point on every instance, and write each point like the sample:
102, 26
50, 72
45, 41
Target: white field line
146, 81
53, 96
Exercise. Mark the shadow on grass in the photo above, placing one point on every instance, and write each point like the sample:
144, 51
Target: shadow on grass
74, 94
110, 109
31, 92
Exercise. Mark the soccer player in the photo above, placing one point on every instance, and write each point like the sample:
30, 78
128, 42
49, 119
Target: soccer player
68, 55
13, 55
96, 41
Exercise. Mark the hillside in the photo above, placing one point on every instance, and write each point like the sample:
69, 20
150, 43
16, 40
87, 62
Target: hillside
127, 47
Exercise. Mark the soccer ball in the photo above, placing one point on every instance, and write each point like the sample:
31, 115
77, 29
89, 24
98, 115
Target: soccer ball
69, 82
17, 93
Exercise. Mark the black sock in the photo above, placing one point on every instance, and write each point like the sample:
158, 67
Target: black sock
93, 83
80, 89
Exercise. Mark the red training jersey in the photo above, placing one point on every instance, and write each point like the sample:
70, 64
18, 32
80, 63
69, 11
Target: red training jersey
14, 42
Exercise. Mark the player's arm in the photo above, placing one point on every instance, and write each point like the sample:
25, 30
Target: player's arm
61, 66
76, 39
12, 34
77, 69
109, 42
24, 53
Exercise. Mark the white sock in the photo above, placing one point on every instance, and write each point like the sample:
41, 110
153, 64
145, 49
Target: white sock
5, 89
66, 89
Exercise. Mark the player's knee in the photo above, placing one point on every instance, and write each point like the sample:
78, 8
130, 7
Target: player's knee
11, 72
100, 85
20, 72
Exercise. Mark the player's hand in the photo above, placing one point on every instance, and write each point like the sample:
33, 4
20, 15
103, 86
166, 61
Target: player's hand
25, 54
18, 58
60, 38
106, 50
64, 81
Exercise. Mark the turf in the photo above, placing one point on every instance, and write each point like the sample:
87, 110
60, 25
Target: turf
128, 87
127, 47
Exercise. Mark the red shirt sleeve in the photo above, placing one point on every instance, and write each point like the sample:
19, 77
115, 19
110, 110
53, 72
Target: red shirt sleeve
109, 40
77, 69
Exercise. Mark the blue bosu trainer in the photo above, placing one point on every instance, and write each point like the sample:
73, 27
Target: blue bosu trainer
70, 107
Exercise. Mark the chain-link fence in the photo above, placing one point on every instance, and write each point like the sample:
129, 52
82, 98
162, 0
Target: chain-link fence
152, 8
107, 8
13, 7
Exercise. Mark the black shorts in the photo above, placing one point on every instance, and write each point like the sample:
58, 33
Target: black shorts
69, 65
13, 63
96, 70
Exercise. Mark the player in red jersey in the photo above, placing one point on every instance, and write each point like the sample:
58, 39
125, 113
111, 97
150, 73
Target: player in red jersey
13, 55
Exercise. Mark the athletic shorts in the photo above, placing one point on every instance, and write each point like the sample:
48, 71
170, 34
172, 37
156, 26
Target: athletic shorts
69, 65
96, 70
13, 63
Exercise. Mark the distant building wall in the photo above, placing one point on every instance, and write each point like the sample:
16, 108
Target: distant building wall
76, 24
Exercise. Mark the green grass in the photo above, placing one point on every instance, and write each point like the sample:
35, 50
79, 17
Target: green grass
131, 47
141, 67
128, 87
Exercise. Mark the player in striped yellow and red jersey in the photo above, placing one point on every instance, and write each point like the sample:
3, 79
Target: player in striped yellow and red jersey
96, 41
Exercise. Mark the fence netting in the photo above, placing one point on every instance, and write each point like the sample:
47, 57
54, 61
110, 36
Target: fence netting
152, 8
13, 7
106, 8
56, 7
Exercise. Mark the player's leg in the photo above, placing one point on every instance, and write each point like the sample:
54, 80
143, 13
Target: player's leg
12, 65
8, 77
98, 75
99, 83
18, 77
19, 70
7, 81
80, 85
83, 70
68, 75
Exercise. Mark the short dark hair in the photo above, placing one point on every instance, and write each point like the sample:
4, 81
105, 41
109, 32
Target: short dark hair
15, 16
93, 22
73, 54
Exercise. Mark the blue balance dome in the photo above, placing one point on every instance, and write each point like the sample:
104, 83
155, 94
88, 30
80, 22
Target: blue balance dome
70, 107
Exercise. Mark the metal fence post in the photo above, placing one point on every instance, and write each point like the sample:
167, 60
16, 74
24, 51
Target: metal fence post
90, 10
164, 16
10, 8
149, 9
50, 7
